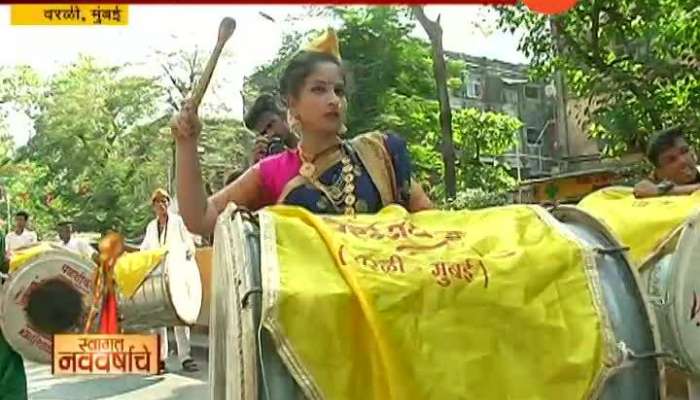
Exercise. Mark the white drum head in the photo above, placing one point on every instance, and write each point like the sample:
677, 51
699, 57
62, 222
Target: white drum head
685, 294
184, 284
54, 267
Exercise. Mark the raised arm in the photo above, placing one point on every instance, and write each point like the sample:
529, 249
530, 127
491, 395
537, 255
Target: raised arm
198, 212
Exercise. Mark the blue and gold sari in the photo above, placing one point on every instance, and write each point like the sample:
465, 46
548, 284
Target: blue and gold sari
382, 175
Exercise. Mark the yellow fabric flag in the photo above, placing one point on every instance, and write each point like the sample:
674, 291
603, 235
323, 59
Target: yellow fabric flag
132, 269
642, 224
488, 304
22, 257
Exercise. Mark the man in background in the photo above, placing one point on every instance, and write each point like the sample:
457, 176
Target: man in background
269, 123
75, 244
20, 237
675, 166
168, 230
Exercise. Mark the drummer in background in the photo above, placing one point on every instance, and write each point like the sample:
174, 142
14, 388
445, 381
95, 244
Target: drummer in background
75, 244
168, 230
268, 121
675, 166
21, 237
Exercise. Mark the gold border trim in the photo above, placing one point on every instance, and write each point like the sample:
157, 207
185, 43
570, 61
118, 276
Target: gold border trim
611, 355
270, 277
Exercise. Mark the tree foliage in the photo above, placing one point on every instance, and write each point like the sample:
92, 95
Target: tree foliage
102, 144
477, 135
634, 63
392, 87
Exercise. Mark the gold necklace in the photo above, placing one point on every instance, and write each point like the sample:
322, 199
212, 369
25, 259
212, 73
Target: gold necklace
308, 168
342, 192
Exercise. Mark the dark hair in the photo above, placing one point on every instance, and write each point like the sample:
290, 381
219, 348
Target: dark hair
22, 214
662, 141
263, 104
301, 66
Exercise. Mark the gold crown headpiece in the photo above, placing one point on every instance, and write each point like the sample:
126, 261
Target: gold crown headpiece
326, 43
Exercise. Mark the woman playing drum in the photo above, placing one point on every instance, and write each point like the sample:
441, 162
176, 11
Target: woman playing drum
324, 174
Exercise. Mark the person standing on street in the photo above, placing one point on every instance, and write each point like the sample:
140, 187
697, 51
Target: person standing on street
168, 230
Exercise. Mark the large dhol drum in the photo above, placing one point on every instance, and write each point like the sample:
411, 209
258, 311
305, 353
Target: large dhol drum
672, 282
49, 294
171, 295
632, 322
244, 364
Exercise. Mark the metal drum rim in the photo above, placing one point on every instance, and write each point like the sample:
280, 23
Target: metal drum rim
676, 286
166, 281
61, 255
579, 215
573, 214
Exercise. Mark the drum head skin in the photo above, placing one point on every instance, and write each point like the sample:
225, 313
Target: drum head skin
184, 284
26, 318
684, 292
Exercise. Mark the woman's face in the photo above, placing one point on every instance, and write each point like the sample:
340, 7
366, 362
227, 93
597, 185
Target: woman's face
320, 104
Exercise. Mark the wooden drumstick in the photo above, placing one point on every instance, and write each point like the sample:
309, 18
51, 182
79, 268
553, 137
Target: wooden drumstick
228, 25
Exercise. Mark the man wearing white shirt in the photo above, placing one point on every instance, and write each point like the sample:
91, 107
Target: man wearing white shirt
74, 244
21, 237
168, 230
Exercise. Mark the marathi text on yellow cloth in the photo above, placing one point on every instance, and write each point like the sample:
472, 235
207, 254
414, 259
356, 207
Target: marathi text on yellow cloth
488, 304
132, 269
642, 224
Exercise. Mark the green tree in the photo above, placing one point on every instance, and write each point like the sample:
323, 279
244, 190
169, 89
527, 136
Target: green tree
477, 135
635, 64
378, 53
97, 152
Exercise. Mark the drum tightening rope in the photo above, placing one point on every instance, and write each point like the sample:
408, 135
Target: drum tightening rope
630, 355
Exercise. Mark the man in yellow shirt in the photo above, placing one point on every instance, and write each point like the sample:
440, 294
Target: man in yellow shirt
675, 166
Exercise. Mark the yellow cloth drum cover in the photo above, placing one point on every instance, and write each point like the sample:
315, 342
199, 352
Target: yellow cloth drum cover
22, 257
642, 224
486, 304
132, 269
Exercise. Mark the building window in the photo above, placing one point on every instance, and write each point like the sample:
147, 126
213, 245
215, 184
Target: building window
532, 135
532, 92
510, 96
473, 87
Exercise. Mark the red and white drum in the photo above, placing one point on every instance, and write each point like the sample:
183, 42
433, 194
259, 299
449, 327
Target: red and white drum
49, 294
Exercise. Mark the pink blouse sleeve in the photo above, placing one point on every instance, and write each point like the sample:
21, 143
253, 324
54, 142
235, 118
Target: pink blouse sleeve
275, 172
